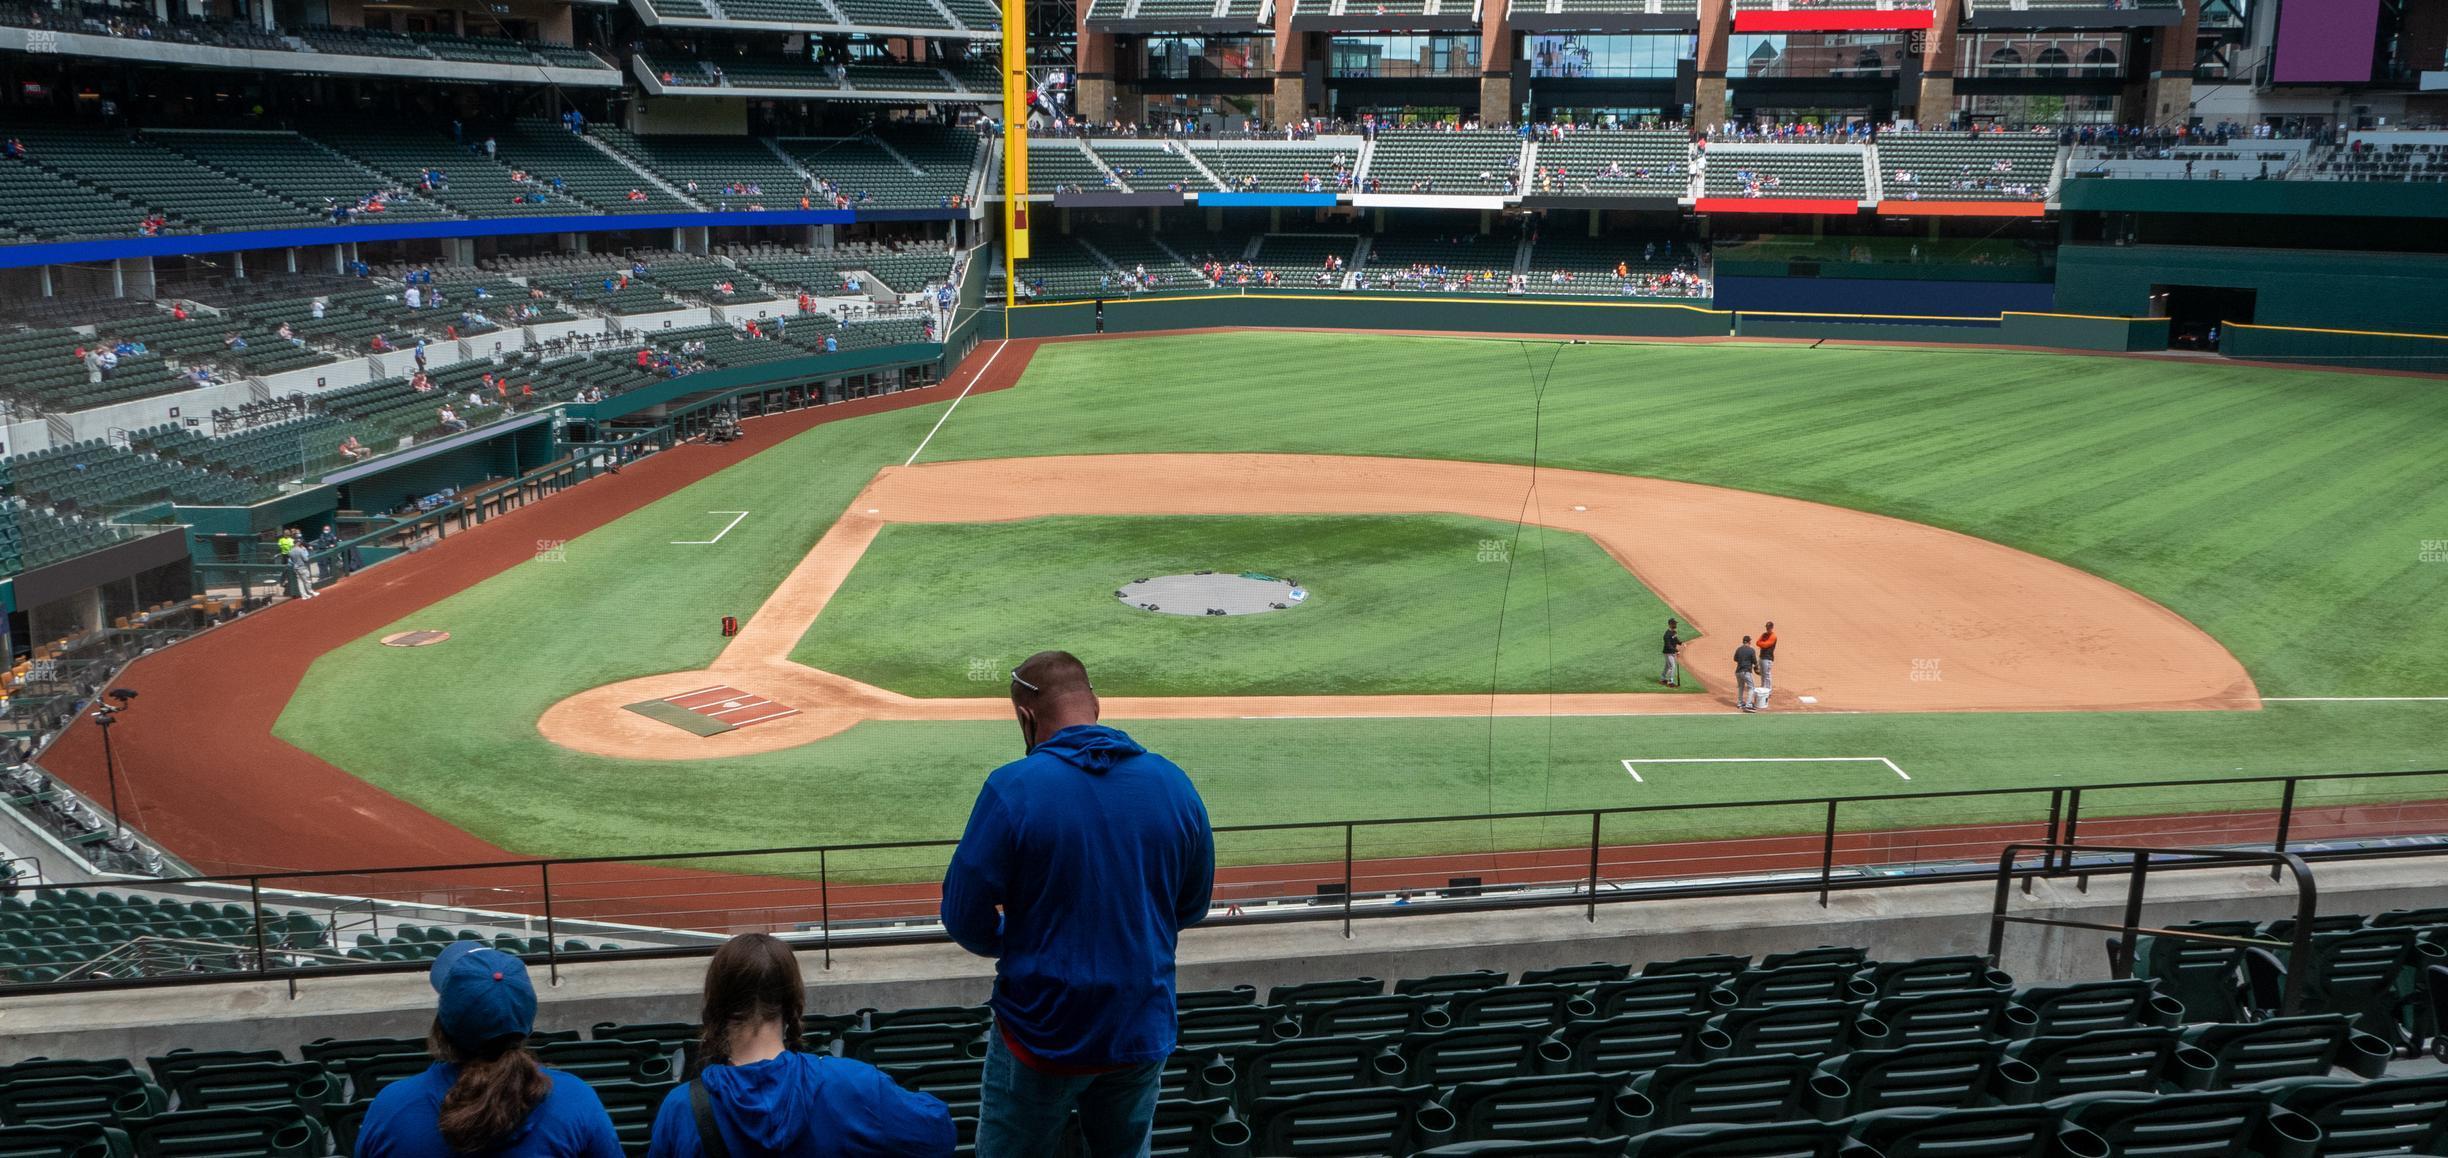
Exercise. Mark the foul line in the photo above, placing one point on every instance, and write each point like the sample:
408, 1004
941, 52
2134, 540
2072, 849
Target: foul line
947, 414
735, 521
2354, 699
1891, 765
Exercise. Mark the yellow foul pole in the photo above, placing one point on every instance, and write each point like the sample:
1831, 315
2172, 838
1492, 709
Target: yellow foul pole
1016, 90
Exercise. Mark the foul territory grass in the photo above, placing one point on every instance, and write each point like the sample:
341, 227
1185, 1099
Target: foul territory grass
2283, 511
1396, 604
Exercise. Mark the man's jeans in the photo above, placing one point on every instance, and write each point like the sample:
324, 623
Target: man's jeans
1021, 1112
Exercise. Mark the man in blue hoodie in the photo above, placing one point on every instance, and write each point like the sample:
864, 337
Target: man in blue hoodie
1082, 863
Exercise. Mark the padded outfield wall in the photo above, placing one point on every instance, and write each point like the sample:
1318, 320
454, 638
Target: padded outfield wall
2323, 307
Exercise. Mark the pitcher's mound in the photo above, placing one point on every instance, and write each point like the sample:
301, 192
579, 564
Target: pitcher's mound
1213, 593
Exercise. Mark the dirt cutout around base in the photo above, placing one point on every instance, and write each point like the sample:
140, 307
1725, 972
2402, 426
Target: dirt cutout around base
1876, 614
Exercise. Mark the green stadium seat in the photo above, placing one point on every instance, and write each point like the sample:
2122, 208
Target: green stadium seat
821, 1030
2142, 1061
1543, 1148
343, 1120
2406, 1115
1813, 1029
1539, 1005
367, 1075
1213, 998
973, 1015
1451, 983
85, 1140
1387, 1013
2089, 1005
270, 1131
1654, 993
2364, 973
1990, 1132
2283, 1047
1630, 1043
168, 1067
1544, 1106
1295, 1066
254, 1083
1471, 1053
335, 1052
1784, 985
1745, 1140
609, 1061
1959, 1015
1765, 1088
2209, 1124
1929, 975
955, 1083
911, 1044
1393, 1120
63, 1101
632, 1106
1217, 1027
1313, 991
1197, 1129
1943, 1076
1578, 976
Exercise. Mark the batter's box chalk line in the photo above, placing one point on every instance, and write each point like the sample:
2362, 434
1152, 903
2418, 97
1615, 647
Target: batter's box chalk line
736, 516
1632, 765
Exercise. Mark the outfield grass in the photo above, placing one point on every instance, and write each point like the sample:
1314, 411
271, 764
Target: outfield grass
1397, 604
2283, 511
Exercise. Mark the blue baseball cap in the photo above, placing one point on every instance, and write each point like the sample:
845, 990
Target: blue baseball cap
485, 994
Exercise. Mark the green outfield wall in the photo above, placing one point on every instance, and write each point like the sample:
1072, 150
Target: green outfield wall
2328, 289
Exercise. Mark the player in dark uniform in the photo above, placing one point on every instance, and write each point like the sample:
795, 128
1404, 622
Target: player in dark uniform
1746, 674
1673, 675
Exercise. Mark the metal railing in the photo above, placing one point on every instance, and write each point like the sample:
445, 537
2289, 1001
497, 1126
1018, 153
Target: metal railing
841, 895
2137, 880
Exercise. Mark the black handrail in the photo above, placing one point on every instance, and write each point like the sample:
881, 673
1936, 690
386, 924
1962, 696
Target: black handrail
2121, 951
2059, 849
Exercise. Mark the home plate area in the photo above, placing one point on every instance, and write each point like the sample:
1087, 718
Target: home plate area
713, 711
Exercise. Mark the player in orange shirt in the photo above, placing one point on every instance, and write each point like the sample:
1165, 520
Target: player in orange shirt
1767, 661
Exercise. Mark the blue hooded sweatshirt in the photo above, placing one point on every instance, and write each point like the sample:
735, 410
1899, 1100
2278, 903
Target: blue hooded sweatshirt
803, 1105
1099, 853
405, 1121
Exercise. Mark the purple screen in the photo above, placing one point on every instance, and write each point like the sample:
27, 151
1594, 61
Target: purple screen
2326, 41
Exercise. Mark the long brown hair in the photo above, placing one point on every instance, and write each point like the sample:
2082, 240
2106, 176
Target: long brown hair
498, 1084
754, 978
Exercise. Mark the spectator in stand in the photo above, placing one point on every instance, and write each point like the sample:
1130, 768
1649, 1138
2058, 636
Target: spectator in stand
351, 449
450, 419
16, 149
1081, 864
485, 1092
763, 1094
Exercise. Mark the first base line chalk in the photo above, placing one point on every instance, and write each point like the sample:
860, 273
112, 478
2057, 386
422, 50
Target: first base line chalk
1631, 765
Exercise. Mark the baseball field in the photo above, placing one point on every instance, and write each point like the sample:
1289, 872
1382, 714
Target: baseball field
1990, 569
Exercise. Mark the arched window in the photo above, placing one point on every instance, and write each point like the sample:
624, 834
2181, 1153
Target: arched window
2100, 61
2006, 62
2052, 59
1869, 61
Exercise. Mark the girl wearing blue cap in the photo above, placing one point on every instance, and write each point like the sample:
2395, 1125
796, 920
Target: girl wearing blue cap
762, 1096
485, 1093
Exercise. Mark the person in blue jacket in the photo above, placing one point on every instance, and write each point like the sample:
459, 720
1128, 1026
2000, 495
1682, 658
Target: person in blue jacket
766, 1097
485, 1093
1082, 863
